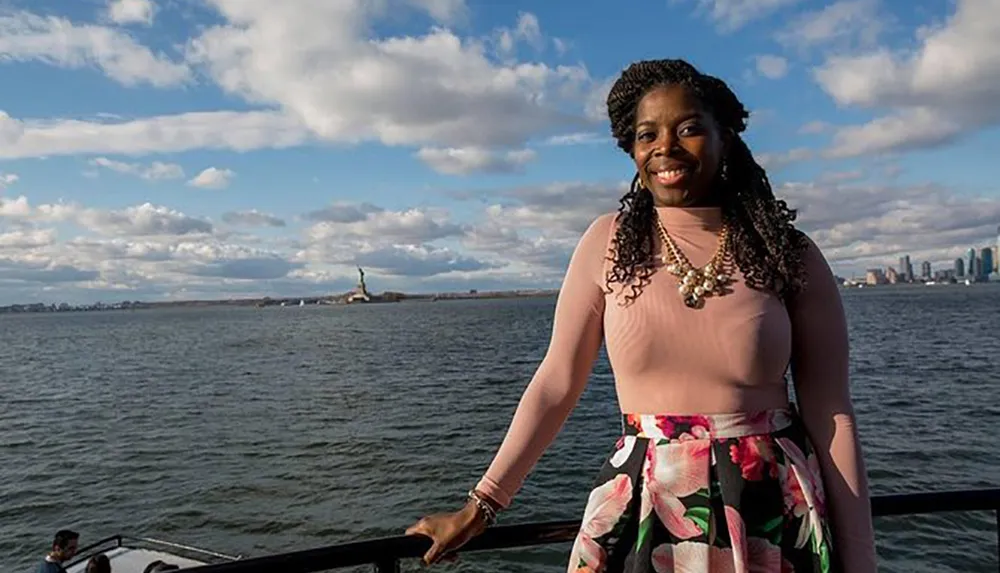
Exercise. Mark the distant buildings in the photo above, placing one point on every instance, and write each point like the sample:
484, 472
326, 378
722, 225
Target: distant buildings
975, 266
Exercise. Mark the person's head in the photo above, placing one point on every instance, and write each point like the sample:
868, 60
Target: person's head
682, 129
99, 564
65, 544
158, 566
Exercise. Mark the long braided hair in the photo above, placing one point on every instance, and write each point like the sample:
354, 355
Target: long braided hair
767, 247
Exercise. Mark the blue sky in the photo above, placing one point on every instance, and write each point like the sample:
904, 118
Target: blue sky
215, 148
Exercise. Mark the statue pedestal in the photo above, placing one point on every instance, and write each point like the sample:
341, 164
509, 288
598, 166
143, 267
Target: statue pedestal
360, 293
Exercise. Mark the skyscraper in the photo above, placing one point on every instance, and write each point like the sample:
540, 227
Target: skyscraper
970, 263
996, 253
905, 269
986, 255
959, 268
925, 270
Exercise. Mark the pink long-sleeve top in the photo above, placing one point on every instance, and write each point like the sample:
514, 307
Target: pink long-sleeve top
729, 356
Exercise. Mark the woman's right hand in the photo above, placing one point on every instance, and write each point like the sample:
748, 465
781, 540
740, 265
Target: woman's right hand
449, 531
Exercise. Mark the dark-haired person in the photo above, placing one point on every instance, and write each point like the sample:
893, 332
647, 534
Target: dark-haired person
99, 564
64, 547
705, 294
158, 566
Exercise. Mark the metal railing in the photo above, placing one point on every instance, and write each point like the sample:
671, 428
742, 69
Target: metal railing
385, 553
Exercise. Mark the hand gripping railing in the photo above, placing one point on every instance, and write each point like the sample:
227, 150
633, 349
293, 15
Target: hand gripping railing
385, 553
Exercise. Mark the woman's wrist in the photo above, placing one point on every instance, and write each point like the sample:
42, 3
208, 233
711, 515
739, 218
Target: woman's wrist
484, 506
494, 504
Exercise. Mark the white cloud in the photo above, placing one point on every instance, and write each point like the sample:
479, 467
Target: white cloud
7, 179
579, 138
463, 161
57, 41
156, 170
307, 81
238, 131
131, 11
841, 176
814, 127
730, 15
371, 225
868, 225
521, 237
27, 238
778, 161
842, 25
527, 30
213, 178
771, 67
252, 218
136, 221
435, 90
446, 11
945, 88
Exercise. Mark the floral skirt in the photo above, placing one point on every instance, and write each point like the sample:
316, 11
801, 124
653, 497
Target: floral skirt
738, 493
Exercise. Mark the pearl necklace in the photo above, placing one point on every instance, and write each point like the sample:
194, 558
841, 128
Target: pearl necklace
694, 283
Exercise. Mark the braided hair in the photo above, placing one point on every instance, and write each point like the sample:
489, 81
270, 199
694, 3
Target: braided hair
767, 248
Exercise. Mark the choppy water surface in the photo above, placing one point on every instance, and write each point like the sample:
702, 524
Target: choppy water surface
256, 431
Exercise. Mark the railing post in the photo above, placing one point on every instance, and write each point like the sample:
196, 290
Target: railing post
387, 566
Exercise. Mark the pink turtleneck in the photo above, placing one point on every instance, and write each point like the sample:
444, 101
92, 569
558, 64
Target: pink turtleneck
729, 356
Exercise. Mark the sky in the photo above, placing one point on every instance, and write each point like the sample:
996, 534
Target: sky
179, 149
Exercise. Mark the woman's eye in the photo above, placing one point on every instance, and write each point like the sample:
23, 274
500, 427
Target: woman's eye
691, 129
645, 136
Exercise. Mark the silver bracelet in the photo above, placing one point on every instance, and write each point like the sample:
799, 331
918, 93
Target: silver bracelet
489, 514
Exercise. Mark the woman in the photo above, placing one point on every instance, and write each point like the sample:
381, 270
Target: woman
704, 293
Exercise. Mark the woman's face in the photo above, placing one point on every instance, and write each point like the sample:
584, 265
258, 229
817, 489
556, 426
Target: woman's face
678, 148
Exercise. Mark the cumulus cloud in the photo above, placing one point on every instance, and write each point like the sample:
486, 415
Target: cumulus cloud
238, 131
144, 251
156, 170
943, 89
139, 220
252, 218
579, 138
519, 237
7, 179
213, 178
436, 90
371, 225
814, 127
771, 67
131, 11
25, 36
419, 261
776, 161
842, 26
731, 15
463, 161
527, 30
869, 225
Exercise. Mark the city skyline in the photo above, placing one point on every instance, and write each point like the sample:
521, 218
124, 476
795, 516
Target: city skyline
222, 148
979, 264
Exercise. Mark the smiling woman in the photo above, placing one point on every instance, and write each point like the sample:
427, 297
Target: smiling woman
698, 287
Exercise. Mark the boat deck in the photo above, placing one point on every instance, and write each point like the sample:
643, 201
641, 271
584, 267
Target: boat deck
135, 560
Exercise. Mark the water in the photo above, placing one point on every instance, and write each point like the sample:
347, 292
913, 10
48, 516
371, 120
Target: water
255, 431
